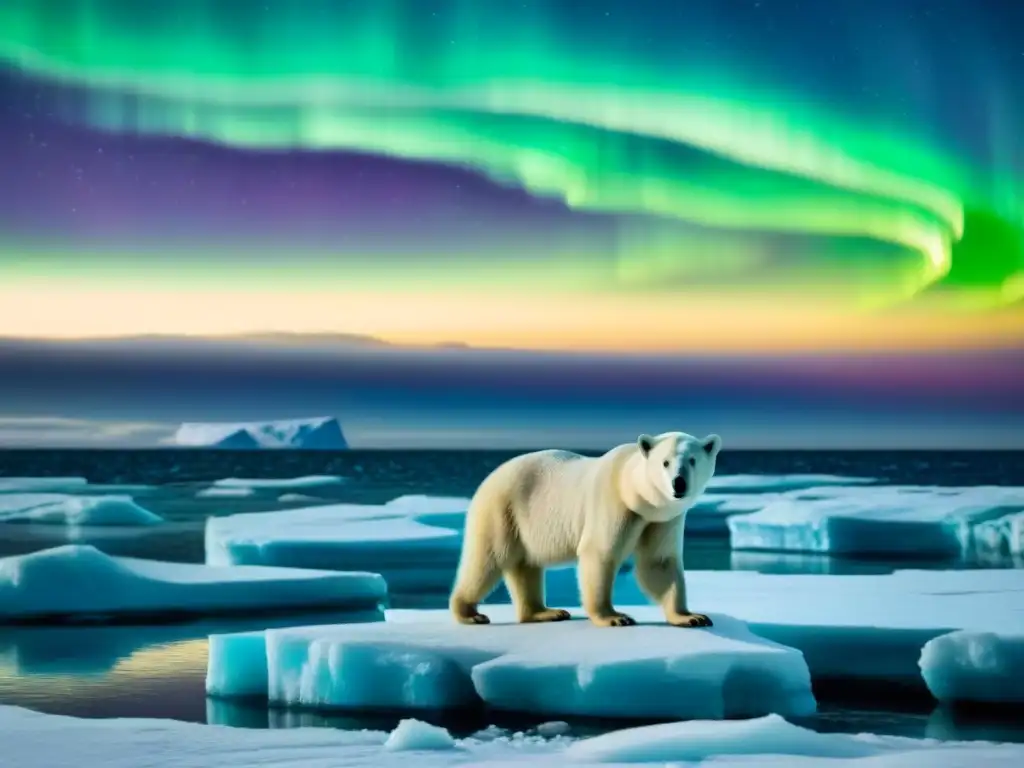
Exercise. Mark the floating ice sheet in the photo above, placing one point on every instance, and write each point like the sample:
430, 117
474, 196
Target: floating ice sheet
914, 521
424, 660
79, 582
73, 510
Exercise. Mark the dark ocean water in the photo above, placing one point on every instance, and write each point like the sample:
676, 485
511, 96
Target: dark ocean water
158, 671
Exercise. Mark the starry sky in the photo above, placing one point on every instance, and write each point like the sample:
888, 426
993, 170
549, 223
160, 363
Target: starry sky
823, 197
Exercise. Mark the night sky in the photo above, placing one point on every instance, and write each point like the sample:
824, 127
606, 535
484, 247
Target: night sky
792, 222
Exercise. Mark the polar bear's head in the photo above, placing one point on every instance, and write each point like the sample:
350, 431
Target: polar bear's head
678, 466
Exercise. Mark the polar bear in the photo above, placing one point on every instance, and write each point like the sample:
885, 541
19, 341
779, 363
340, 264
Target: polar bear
552, 507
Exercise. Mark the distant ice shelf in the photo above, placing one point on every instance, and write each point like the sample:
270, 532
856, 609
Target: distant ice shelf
80, 583
321, 433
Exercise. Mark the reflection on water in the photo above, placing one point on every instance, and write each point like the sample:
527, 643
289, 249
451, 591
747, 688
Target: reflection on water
124, 671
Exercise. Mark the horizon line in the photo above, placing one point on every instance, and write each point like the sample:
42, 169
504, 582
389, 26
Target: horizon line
340, 341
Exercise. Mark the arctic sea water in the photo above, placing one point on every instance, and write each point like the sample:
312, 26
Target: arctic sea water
158, 671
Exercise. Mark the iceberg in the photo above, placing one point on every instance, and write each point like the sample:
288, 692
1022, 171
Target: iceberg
324, 433
422, 660
37, 740
907, 521
75, 511
414, 543
34, 588
970, 666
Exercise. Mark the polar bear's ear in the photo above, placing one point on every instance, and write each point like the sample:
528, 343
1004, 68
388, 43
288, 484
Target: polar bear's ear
645, 443
712, 444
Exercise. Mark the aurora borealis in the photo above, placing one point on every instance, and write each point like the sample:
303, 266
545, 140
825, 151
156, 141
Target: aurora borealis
724, 177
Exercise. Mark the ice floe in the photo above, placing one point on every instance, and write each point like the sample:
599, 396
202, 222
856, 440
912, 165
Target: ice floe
76, 582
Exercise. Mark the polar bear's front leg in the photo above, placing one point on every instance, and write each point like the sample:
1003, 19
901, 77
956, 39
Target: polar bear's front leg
659, 571
526, 587
597, 575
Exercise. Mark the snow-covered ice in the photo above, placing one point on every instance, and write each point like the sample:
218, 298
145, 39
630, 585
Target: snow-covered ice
413, 542
971, 666
35, 740
321, 433
423, 660
696, 740
76, 511
886, 520
80, 582
18, 484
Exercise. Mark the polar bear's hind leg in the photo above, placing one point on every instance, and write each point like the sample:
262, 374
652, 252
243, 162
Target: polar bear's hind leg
477, 577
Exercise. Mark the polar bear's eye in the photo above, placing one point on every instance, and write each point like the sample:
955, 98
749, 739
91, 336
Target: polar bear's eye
693, 462
665, 463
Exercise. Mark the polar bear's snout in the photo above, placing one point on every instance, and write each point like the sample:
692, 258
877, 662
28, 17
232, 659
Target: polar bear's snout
680, 485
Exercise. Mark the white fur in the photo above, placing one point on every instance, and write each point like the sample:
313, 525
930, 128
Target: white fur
552, 507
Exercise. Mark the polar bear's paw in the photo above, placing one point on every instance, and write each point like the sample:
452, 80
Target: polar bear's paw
690, 620
614, 620
547, 614
473, 618
466, 613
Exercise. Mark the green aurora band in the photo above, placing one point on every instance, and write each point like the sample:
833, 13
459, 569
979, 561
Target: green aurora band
600, 130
